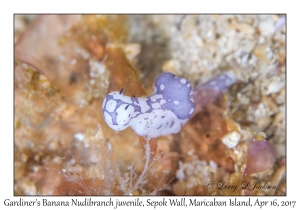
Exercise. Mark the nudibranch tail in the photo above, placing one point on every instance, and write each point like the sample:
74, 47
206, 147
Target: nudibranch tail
212, 89
162, 113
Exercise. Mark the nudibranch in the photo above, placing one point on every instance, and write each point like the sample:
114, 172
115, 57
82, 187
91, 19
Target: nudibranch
162, 113
206, 93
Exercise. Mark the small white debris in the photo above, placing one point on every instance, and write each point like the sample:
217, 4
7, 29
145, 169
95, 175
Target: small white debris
190, 152
231, 139
96, 68
180, 172
108, 145
213, 164
83, 53
245, 28
267, 27
236, 151
132, 50
73, 62
79, 136
262, 134
82, 103
172, 66
94, 159
275, 86
62, 58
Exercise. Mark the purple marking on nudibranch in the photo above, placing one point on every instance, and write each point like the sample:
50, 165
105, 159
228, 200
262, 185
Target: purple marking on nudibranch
176, 94
159, 126
167, 110
135, 100
150, 116
172, 124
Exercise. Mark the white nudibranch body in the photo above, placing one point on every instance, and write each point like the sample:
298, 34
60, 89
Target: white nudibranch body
162, 113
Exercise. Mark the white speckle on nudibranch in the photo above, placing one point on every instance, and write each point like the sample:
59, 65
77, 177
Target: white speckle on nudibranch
191, 111
162, 113
176, 102
162, 86
111, 105
183, 81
